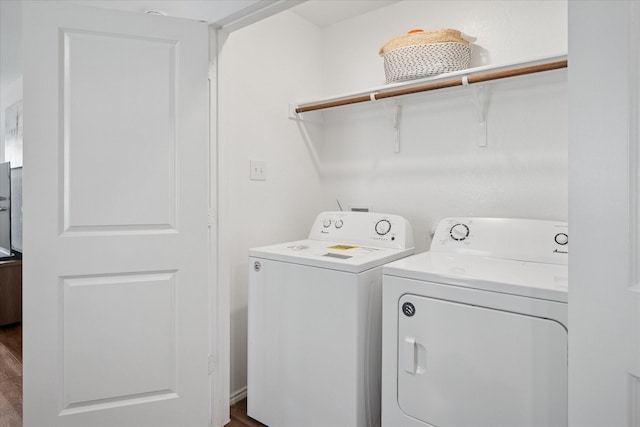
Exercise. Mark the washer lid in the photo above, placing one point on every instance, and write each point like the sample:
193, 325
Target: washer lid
529, 279
341, 256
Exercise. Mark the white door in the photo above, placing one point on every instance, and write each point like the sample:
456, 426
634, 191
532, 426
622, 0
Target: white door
604, 207
115, 218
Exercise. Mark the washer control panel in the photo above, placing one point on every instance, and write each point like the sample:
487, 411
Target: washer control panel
508, 238
364, 228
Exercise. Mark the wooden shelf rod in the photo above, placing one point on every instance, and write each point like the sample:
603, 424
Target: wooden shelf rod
532, 69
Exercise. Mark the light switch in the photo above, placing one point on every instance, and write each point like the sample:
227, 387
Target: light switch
258, 170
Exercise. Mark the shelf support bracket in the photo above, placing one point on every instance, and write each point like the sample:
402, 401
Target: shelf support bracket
293, 114
480, 100
395, 121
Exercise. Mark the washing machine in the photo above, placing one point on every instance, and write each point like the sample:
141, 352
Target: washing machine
475, 329
314, 331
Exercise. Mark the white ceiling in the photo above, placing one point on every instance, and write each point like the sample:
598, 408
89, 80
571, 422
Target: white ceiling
327, 12
210, 11
320, 12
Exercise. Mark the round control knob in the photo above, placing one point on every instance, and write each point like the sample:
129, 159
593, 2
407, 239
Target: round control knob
383, 227
339, 223
326, 223
459, 232
562, 238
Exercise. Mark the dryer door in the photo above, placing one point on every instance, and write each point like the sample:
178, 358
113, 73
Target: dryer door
462, 365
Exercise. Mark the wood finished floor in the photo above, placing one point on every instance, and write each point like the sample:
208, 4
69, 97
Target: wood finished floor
11, 384
239, 417
11, 376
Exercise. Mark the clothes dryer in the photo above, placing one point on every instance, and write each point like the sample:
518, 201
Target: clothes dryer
314, 328
475, 330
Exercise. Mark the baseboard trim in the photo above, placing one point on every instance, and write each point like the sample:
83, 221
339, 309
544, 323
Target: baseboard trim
237, 396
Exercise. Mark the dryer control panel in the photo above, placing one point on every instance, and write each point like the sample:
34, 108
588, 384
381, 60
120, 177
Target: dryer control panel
508, 238
364, 228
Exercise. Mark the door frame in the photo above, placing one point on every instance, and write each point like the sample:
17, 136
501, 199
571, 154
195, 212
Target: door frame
604, 208
220, 265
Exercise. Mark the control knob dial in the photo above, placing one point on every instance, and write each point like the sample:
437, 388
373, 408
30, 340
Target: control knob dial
459, 232
562, 238
383, 227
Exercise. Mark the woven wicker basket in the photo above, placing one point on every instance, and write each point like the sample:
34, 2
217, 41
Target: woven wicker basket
422, 54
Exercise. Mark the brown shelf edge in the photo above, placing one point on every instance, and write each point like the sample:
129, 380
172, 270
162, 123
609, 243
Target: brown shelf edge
459, 81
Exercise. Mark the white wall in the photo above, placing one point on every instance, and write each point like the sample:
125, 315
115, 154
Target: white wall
440, 170
262, 69
9, 95
506, 31
10, 43
10, 61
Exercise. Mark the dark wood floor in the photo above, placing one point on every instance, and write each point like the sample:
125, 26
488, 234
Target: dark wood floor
11, 376
11, 384
239, 417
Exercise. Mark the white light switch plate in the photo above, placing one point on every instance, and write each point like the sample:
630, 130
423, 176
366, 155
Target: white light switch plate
258, 171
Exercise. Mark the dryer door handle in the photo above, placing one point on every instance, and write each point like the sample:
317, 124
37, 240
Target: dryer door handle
410, 355
413, 356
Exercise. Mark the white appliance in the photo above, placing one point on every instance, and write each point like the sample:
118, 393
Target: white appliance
475, 330
315, 323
